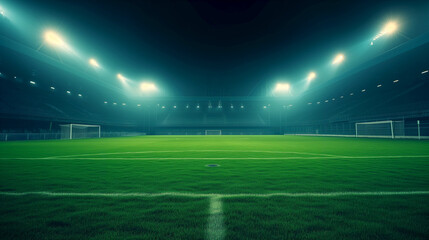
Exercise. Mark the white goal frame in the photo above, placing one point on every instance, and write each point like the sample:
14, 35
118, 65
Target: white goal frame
81, 125
219, 131
390, 122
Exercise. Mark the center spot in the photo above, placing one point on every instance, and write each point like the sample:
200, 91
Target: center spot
213, 165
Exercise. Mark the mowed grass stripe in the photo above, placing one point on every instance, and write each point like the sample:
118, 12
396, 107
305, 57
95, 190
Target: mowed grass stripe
216, 158
217, 195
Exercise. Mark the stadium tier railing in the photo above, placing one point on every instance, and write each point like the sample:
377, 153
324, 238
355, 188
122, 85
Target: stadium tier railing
54, 136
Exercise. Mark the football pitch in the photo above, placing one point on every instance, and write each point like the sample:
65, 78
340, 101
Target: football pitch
215, 187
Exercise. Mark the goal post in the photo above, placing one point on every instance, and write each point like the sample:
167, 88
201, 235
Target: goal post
380, 129
79, 131
213, 132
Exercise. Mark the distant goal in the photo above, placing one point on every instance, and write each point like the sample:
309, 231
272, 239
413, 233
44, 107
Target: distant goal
79, 131
380, 129
213, 132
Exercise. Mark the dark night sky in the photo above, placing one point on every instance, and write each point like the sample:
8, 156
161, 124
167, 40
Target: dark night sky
221, 47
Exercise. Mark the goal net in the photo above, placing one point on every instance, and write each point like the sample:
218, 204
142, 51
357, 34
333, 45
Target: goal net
213, 132
380, 129
78, 131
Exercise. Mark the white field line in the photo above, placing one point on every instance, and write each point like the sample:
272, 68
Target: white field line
216, 195
215, 226
214, 158
180, 151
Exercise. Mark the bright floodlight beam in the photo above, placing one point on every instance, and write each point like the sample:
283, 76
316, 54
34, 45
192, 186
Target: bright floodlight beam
388, 29
338, 59
94, 63
121, 77
54, 39
148, 87
2, 12
282, 87
311, 76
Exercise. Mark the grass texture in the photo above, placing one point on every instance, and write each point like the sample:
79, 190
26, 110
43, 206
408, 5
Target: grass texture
247, 165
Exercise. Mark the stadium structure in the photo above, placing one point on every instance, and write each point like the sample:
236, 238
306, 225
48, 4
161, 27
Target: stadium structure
307, 145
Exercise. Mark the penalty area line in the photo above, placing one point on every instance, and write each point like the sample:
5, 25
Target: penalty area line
181, 151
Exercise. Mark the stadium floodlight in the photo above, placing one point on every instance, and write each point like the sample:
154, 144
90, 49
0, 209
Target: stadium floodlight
68, 92
426, 71
54, 39
379, 85
105, 102
311, 76
338, 59
395, 81
121, 77
388, 29
79, 95
52, 88
94, 63
2, 12
139, 105
282, 87
32, 82
148, 87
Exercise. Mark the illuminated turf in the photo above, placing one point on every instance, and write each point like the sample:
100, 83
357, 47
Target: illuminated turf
208, 204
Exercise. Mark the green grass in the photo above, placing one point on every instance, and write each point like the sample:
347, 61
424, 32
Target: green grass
248, 164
